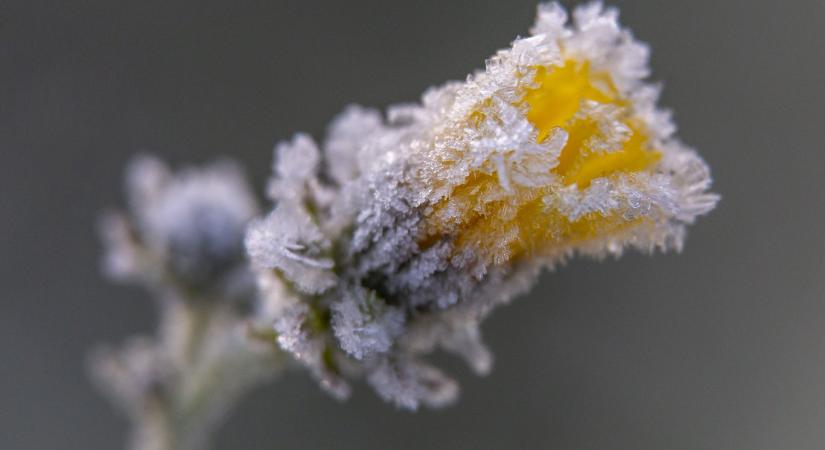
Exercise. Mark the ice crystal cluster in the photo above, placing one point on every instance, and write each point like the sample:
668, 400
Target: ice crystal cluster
400, 232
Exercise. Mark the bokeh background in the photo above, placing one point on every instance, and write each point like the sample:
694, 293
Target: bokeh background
721, 347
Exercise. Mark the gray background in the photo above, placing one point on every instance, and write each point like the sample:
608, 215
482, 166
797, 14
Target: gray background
721, 347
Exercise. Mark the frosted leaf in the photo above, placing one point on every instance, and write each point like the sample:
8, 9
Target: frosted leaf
299, 331
292, 334
345, 139
296, 336
288, 240
146, 177
465, 340
297, 160
550, 21
122, 260
364, 324
692, 175
407, 384
296, 163
131, 373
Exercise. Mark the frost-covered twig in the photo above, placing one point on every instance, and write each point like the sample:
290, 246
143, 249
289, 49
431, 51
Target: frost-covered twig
401, 232
183, 241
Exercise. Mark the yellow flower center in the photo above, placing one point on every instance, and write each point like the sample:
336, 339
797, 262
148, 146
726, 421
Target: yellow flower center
499, 226
554, 102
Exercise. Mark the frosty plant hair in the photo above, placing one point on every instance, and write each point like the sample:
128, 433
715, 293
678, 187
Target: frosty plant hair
401, 232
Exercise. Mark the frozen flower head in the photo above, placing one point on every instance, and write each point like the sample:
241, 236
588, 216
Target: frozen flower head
188, 224
400, 235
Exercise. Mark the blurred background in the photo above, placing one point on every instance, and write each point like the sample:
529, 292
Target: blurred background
721, 347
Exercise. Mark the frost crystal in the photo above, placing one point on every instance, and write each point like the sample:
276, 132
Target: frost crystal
401, 234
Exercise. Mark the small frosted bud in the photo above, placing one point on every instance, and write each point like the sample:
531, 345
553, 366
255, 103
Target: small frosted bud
196, 217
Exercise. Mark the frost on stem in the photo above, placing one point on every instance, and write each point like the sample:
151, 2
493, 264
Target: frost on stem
400, 234
182, 239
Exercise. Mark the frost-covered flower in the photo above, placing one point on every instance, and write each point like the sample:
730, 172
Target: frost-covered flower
401, 234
